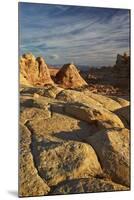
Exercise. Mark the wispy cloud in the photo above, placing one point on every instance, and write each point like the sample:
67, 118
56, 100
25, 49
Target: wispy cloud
54, 56
89, 36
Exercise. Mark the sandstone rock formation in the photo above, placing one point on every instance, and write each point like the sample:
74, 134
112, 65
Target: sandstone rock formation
89, 98
59, 161
72, 142
30, 183
112, 147
69, 77
47, 91
99, 116
24, 81
34, 71
121, 71
72, 96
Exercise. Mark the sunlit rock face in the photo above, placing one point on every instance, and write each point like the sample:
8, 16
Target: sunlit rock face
34, 71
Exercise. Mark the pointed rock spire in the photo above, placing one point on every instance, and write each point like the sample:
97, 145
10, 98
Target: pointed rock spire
69, 77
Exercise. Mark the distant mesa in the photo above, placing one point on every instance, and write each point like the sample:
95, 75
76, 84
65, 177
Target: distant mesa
69, 77
118, 75
34, 71
123, 59
121, 71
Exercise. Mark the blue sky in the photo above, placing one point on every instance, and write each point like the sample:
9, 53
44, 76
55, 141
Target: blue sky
83, 35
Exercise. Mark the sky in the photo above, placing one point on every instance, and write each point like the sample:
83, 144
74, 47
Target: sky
83, 35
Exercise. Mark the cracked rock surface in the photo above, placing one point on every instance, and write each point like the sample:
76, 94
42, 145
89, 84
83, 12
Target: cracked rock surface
72, 142
30, 183
85, 185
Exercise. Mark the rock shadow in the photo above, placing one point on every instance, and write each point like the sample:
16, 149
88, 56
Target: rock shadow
85, 129
124, 114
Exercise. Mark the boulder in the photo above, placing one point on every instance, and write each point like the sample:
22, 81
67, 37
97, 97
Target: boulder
58, 160
89, 98
121, 101
101, 117
74, 96
112, 148
107, 102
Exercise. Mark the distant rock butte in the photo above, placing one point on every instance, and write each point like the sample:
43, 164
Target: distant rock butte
121, 71
122, 59
34, 71
118, 75
69, 77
